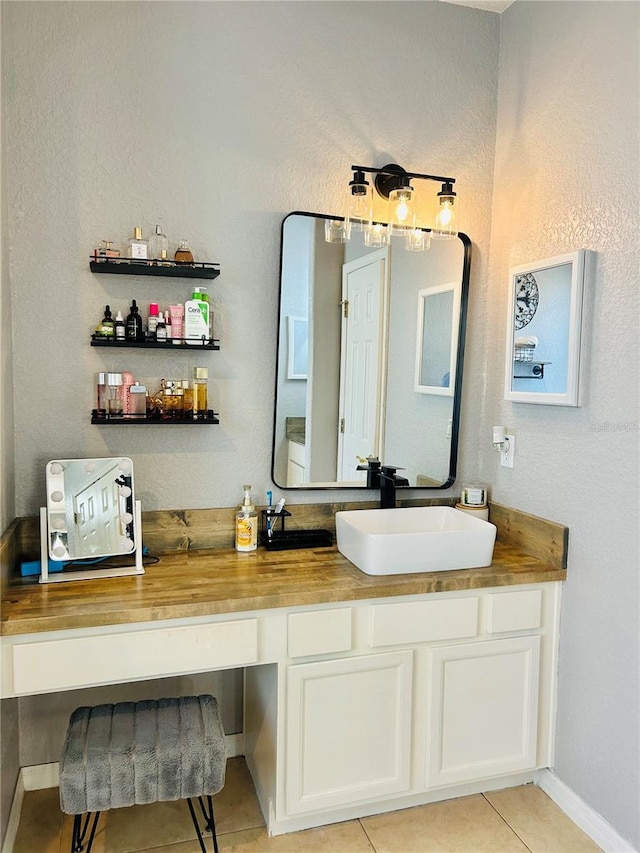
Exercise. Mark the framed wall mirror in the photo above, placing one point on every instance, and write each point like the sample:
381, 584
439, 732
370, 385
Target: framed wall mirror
544, 323
360, 396
91, 514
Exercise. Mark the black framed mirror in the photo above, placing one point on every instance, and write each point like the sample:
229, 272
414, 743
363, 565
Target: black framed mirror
354, 325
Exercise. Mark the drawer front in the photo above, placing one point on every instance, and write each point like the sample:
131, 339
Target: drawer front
514, 611
423, 621
319, 632
62, 664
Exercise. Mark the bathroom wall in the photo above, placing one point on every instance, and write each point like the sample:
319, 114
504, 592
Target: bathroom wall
567, 178
214, 119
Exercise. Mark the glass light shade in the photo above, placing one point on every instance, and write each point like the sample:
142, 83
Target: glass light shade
375, 235
337, 230
445, 224
400, 215
359, 206
417, 239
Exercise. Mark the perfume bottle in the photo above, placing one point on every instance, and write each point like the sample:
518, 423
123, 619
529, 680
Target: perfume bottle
138, 248
200, 376
158, 246
183, 253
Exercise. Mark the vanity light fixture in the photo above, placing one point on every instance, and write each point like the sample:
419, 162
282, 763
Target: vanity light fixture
392, 183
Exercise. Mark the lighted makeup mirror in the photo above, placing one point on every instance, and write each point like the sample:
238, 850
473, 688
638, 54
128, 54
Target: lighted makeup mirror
91, 515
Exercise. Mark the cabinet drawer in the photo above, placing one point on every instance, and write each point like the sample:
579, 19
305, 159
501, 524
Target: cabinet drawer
319, 632
424, 621
82, 662
514, 611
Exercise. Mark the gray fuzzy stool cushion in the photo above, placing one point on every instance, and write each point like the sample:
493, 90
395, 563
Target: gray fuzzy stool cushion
141, 752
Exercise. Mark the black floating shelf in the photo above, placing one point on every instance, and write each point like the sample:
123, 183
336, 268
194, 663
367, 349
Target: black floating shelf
206, 343
211, 419
125, 266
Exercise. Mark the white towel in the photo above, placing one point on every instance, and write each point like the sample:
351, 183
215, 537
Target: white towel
531, 341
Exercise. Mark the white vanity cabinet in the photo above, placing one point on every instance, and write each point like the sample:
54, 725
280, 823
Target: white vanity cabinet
348, 730
395, 702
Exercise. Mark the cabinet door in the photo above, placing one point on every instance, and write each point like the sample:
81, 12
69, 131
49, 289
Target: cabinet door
348, 730
483, 709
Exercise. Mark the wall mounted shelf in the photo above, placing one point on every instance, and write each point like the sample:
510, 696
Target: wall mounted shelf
537, 369
212, 418
126, 266
206, 344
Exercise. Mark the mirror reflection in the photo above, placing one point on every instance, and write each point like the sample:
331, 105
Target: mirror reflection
90, 508
356, 375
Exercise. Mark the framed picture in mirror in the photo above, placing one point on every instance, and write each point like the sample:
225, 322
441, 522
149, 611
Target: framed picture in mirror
297, 347
437, 339
544, 331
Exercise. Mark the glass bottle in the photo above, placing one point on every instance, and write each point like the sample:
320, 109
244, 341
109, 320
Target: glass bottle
119, 327
158, 245
133, 328
183, 253
200, 377
138, 248
106, 327
187, 399
161, 328
152, 322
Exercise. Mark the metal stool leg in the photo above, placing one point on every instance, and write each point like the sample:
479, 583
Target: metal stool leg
210, 825
80, 831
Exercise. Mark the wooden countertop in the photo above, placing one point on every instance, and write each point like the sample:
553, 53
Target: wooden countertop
203, 583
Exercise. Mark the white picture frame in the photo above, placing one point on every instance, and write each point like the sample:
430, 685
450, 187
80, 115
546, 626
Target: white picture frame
544, 331
297, 347
437, 339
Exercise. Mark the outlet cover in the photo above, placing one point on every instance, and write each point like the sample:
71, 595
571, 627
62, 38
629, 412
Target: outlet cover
506, 456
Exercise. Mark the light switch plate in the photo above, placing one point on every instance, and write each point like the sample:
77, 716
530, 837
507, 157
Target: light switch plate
506, 456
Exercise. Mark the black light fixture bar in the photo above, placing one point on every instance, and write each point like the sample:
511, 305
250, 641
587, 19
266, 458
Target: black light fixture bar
387, 170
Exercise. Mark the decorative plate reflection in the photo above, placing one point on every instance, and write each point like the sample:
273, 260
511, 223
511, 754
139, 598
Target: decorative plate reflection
527, 298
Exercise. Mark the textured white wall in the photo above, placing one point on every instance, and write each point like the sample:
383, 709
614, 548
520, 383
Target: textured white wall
567, 178
215, 119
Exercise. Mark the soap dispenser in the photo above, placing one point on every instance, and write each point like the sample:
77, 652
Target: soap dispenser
247, 524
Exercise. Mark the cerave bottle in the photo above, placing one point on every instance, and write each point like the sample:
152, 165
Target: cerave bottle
197, 319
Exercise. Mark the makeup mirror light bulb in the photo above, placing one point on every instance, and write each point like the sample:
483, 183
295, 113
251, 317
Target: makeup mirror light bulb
57, 496
127, 517
124, 491
90, 467
56, 468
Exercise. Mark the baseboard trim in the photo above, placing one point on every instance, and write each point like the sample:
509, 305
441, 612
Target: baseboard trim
589, 821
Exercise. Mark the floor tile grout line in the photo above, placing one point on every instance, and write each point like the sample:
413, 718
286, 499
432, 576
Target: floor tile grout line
368, 837
502, 818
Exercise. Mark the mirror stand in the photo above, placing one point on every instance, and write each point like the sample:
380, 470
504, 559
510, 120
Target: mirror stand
136, 568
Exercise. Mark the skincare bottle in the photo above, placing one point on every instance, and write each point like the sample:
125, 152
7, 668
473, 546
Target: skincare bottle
108, 387
183, 253
133, 329
161, 328
247, 524
177, 323
152, 322
138, 248
106, 327
200, 377
119, 327
158, 245
125, 391
196, 320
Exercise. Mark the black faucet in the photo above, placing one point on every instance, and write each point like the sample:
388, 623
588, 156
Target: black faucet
383, 477
389, 481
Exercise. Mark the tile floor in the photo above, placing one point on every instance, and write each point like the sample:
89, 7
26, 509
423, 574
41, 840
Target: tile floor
515, 820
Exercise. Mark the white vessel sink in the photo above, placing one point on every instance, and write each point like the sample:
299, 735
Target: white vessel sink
414, 539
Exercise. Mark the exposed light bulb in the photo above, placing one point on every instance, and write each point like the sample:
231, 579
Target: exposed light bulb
445, 218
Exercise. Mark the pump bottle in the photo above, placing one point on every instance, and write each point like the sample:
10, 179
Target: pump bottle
247, 524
